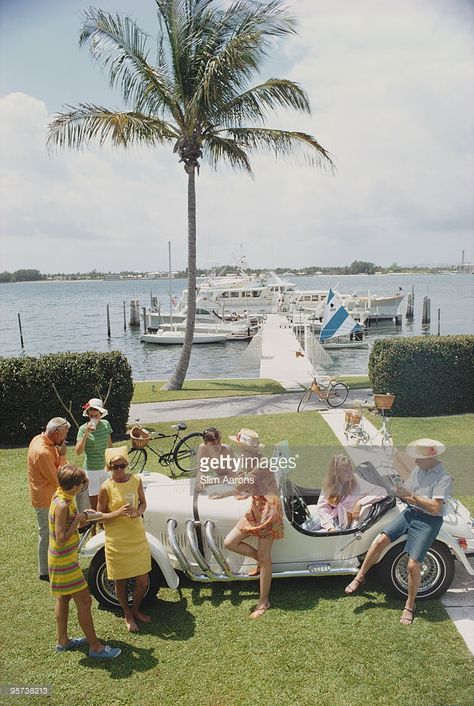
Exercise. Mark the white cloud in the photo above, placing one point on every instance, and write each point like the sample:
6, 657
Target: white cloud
388, 85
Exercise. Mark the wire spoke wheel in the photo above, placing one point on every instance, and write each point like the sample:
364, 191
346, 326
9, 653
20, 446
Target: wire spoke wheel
305, 398
185, 453
337, 394
387, 444
137, 459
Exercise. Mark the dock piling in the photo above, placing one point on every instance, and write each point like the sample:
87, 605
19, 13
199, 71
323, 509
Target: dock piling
21, 331
426, 315
134, 312
108, 321
124, 316
439, 322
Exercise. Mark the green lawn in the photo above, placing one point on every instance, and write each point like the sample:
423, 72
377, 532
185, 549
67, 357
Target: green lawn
314, 646
150, 390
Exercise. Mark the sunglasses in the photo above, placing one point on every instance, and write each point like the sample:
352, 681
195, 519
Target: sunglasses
116, 466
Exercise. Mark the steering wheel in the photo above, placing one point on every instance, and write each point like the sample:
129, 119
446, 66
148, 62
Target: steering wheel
295, 506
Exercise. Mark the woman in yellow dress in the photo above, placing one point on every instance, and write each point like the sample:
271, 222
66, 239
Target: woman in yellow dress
127, 553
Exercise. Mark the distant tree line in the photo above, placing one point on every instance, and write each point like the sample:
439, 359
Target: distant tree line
21, 276
357, 267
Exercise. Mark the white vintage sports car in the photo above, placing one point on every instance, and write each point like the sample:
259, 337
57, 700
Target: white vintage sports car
186, 531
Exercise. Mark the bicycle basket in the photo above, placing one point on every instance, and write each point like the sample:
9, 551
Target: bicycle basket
139, 437
353, 416
384, 401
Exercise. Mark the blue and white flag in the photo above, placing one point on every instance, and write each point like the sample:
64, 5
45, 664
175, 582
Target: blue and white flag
336, 321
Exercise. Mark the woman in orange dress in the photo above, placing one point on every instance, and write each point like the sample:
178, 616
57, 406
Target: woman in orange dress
264, 520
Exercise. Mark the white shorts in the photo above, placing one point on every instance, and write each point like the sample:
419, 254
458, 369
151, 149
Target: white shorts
96, 478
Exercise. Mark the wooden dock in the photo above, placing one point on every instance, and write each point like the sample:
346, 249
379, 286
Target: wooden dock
283, 359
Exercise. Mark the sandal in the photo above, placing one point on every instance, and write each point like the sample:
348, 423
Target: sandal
410, 619
258, 612
255, 571
354, 586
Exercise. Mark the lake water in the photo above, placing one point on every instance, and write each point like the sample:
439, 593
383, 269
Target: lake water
71, 316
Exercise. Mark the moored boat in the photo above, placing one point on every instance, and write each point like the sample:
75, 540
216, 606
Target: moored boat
176, 338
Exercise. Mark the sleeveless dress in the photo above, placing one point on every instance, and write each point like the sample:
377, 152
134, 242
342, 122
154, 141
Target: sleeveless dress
265, 517
127, 553
65, 574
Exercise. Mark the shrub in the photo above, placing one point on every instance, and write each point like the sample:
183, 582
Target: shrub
28, 399
430, 375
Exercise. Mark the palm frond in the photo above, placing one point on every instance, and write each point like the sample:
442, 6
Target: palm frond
259, 101
91, 123
120, 46
218, 148
283, 143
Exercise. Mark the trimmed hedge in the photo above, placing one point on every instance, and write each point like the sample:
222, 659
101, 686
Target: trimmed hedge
430, 375
28, 400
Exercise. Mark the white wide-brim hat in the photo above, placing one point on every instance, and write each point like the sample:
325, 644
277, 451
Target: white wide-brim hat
248, 439
94, 403
425, 448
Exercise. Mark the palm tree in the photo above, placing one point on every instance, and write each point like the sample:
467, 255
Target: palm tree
194, 96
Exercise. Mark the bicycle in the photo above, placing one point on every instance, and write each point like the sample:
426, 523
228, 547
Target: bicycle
383, 404
354, 427
328, 390
182, 452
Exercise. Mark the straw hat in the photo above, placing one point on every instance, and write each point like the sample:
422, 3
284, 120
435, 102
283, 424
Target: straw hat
248, 439
94, 403
114, 454
425, 448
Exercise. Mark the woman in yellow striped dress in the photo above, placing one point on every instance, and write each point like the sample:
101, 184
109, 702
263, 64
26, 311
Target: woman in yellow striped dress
127, 553
66, 578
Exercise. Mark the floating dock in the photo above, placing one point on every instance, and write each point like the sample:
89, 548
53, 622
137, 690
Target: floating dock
283, 358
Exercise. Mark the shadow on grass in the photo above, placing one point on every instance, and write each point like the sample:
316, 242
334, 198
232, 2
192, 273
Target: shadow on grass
429, 611
171, 620
133, 659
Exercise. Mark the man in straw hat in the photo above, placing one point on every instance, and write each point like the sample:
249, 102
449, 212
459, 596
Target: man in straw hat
425, 493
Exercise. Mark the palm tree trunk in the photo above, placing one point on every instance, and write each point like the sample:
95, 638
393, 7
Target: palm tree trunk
177, 379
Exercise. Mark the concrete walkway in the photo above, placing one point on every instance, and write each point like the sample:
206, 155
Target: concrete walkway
459, 599
182, 410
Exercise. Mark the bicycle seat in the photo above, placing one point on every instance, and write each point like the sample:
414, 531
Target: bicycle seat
180, 425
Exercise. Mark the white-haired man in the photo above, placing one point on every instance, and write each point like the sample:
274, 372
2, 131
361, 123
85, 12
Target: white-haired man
46, 454
425, 493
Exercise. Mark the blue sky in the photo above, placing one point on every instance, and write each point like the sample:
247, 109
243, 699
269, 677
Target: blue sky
389, 85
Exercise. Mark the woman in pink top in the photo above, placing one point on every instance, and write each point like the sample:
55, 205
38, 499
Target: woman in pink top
342, 500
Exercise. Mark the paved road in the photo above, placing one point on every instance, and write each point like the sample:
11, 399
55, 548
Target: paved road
182, 410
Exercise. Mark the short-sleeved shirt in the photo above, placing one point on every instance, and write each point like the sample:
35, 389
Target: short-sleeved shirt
96, 443
43, 464
434, 484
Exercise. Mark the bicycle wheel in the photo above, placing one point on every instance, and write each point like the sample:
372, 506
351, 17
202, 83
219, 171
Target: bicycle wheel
185, 453
137, 459
352, 439
304, 400
387, 444
337, 394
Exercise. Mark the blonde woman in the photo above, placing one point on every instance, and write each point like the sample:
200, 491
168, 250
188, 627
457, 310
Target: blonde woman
127, 553
342, 500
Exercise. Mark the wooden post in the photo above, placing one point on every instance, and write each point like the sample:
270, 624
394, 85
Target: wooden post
439, 322
145, 327
426, 316
124, 317
134, 312
108, 321
410, 306
21, 331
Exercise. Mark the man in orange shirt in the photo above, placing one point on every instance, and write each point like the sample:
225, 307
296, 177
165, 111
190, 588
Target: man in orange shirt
46, 453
